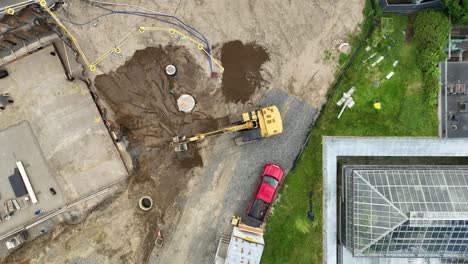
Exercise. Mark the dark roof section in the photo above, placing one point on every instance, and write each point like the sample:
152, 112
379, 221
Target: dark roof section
19, 4
17, 184
454, 99
459, 32
457, 72
409, 8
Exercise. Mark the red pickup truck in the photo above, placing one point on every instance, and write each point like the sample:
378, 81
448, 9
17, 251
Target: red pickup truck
265, 192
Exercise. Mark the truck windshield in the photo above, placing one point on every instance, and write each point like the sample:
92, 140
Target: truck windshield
271, 181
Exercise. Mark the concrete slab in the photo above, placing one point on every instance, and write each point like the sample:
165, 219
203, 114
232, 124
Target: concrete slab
334, 147
65, 121
18, 144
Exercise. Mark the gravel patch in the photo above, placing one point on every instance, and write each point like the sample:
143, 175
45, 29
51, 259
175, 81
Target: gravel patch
228, 180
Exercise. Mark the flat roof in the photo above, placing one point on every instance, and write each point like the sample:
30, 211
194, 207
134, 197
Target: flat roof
454, 96
334, 147
70, 135
409, 8
18, 144
457, 72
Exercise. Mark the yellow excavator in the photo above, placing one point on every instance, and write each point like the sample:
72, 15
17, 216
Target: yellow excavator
257, 124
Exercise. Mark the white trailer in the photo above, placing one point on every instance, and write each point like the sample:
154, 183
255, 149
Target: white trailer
244, 245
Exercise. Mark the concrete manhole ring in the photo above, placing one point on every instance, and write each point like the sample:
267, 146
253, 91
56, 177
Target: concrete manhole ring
171, 70
186, 103
345, 48
145, 203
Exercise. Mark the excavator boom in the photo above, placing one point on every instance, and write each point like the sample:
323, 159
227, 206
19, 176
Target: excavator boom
266, 119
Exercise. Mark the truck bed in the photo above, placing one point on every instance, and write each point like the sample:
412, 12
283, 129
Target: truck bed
258, 210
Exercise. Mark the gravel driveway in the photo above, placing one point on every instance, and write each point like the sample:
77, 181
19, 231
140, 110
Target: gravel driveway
228, 181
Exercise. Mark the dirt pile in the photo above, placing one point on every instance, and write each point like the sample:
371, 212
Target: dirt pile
242, 65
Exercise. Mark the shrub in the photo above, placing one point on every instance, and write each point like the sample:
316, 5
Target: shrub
458, 10
431, 30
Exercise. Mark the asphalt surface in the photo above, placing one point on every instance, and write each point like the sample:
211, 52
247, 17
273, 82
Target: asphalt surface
409, 8
228, 181
453, 73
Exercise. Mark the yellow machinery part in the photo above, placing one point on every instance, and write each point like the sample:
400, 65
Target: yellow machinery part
270, 121
245, 117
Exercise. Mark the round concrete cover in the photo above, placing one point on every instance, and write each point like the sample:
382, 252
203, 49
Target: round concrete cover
345, 48
170, 70
186, 103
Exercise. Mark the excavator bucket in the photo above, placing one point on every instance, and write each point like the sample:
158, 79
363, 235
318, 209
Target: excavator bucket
179, 144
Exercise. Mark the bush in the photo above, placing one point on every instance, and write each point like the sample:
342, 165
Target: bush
458, 10
431, 31
431, 89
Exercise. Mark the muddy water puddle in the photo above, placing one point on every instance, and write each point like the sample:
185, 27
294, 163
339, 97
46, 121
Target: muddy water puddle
242, 70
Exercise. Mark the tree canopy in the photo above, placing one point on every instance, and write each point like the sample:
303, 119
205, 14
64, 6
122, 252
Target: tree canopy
458, 10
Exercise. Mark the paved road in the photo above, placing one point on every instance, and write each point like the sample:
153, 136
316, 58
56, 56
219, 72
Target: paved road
228, 180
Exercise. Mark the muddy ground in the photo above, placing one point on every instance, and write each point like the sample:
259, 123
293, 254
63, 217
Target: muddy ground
142, 109
262, 45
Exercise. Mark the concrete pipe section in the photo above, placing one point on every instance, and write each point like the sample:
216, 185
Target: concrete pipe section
145, 203
345, 48
186, 103
171, 70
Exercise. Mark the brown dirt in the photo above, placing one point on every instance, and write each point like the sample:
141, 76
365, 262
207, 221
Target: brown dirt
142, 102
295, 33
139, 94
295, 64
410, 29
242, 64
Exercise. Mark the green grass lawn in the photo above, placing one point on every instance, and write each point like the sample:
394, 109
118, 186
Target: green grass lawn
290, 236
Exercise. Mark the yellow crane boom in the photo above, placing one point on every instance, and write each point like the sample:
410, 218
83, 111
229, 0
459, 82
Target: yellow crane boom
266, 121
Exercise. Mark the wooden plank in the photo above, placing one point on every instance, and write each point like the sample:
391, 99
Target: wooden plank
246, 228
26, 181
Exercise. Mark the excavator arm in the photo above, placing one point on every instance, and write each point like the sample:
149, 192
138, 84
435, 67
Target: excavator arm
267, 119
180, 143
